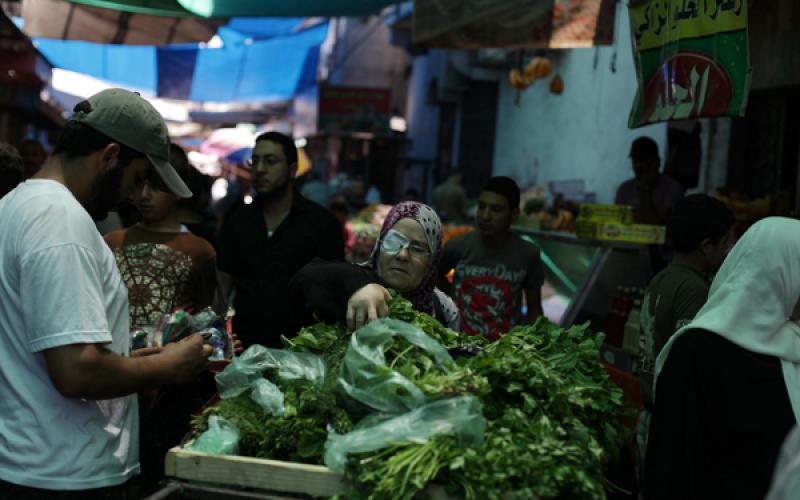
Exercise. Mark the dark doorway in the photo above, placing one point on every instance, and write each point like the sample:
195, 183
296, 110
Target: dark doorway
764, 148
476, 142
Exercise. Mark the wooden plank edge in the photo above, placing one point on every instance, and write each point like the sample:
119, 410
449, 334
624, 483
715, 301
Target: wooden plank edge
238, 471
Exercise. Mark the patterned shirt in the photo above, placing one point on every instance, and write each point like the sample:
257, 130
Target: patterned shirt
163, 272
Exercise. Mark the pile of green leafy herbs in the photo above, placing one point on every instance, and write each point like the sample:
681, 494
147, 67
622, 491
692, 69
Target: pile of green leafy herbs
554, 422
298, 435
554, 418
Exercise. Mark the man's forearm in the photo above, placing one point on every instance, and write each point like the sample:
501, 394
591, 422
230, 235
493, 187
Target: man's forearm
90, 371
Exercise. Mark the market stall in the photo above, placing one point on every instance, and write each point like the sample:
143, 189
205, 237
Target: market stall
404, 406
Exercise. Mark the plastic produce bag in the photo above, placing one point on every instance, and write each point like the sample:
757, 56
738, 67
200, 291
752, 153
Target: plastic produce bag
268, 396
221, 438
461, 416
365, 376
245, 373
206, 318
248, 367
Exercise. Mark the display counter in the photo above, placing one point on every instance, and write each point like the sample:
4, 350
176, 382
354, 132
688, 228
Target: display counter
582, 276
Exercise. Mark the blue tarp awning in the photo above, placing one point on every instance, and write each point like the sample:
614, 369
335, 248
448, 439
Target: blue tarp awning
239, 8
257, 62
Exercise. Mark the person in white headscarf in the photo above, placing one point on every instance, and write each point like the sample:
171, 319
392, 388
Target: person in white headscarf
786, 482
728, 383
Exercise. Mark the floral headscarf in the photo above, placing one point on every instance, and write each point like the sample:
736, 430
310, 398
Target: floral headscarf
422, 296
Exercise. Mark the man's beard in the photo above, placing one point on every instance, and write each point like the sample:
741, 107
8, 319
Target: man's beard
104, 193
276, 192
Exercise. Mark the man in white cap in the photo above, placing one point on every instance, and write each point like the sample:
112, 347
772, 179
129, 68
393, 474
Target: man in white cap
68, 413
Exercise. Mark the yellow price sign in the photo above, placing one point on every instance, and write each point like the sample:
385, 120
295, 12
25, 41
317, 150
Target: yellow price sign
656, 23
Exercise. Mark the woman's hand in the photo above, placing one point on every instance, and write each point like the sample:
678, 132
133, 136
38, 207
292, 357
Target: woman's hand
368, 303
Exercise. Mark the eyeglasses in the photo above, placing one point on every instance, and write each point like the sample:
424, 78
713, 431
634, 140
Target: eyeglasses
268, 160
394, 242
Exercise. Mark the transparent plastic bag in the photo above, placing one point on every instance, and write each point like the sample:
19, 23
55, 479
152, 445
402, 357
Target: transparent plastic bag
206, 318
219, 342
245, 373
221, 438
143, 338
461, 416
268, 396
365, 376
174, 326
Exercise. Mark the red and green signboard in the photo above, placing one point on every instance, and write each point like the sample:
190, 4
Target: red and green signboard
354, 109
692, 59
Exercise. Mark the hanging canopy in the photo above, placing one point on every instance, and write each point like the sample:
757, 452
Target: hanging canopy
62, 20
241, 70
136, 22
243, 8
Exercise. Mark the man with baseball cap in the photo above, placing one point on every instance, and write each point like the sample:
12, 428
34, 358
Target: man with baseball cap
68, 419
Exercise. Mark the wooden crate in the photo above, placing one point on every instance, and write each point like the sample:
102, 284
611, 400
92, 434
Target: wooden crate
257, 473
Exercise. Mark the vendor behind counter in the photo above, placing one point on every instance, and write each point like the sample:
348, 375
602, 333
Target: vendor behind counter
651, 193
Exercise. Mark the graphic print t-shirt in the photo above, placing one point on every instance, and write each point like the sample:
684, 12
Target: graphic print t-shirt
489, 282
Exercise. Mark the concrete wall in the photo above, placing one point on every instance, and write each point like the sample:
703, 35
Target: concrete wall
364, 57
422, 111
581, 134
774, 43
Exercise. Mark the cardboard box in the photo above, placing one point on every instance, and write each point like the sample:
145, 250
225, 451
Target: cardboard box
614, 231
610, 213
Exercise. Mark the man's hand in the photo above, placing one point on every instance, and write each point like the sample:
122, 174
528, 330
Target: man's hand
91, 371
145, 351
368, 303
187, 358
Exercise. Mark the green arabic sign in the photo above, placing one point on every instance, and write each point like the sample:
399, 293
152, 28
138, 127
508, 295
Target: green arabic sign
692, 59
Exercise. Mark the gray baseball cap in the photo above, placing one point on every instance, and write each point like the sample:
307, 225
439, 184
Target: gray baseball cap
129, 119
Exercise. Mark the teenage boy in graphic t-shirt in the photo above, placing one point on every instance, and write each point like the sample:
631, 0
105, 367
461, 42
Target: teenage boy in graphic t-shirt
494, 267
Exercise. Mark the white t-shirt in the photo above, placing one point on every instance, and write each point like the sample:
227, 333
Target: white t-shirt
59, 285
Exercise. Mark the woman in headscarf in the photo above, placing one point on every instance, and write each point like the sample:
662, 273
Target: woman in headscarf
728, 383
405, 258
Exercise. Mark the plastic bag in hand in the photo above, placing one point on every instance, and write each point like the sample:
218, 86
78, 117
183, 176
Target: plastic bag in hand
219, 342
461, 416
206, 318
365, 376
221, 438
174, 327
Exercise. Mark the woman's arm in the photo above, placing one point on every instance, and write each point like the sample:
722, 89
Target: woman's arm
322, 290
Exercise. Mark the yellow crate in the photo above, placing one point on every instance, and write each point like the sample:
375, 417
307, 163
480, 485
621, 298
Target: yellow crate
614, 231
610, 213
